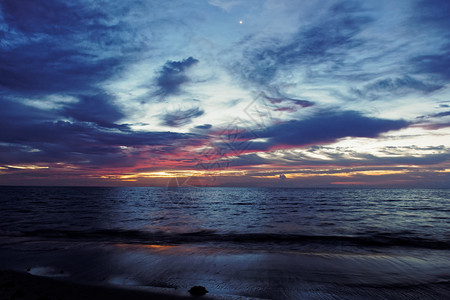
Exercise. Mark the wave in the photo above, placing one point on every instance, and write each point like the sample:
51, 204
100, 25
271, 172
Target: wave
211, 236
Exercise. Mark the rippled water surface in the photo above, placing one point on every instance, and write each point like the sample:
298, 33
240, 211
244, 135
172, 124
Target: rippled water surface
404, 217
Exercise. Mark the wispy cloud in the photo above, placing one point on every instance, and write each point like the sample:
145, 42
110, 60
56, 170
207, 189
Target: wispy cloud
327, 41
388, 87
181, 117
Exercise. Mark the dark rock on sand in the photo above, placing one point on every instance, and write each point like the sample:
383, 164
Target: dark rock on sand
198, 290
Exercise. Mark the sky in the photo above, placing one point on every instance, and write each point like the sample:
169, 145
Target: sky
225, 93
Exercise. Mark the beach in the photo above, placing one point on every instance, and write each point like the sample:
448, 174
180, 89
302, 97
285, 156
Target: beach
168, 272
244, 243
22, 285
271, 284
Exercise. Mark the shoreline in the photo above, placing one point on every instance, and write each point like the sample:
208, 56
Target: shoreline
144, 272
22, 285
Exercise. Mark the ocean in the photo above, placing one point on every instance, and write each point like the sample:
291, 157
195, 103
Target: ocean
269, 243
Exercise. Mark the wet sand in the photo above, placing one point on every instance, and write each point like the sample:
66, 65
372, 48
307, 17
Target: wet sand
167, 272
22, 285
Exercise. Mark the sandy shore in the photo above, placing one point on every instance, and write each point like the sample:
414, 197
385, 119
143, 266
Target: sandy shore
168, 272
22, 285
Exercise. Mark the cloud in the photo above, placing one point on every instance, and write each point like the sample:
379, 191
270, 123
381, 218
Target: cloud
394, 86
310, 158
30, 134
225, 5
70, 49
204, 126
436, 65
436, 115
433, 13
31, 17
285, 104
173, 75
246, 160
181, 117
278, 100
441, 114
56, 46
94, 108
431, 22
326, 41
324, 127
50, 69
73, 72
435, 124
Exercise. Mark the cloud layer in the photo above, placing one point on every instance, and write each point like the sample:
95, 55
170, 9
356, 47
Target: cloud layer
120, 89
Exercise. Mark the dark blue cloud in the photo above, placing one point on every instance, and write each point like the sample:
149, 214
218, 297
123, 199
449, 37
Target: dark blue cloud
50, 16
325, 127
61, 48
96, 108
433, 18
322, 128
441, 114
204, 126
67, 49
434, 13
55, 46
298, 102
437, 115
30, 134
74, 21
437, 65
173, 75
328, 127
181, 117
42, 68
